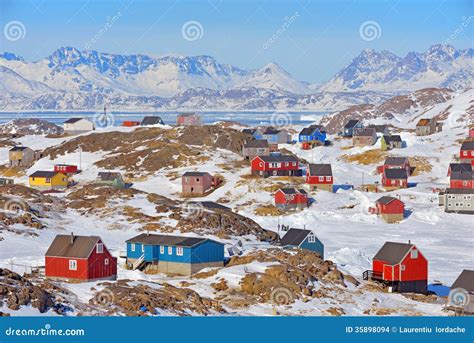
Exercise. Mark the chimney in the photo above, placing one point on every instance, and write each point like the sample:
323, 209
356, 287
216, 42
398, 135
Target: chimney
409, 241
72, 238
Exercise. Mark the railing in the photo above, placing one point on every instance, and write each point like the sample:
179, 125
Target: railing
138, 262
371, 275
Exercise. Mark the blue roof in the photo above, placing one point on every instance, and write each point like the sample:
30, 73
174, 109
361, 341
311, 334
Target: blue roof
439, 290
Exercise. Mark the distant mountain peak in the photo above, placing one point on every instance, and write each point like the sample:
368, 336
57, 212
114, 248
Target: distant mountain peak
9, 56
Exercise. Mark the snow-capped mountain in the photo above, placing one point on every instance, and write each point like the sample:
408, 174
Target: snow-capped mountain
70, 79
440, 66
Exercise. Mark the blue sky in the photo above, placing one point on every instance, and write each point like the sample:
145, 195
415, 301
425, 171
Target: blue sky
311, 39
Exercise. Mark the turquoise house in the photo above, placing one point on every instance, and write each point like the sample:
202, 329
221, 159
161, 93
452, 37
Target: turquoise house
302, 239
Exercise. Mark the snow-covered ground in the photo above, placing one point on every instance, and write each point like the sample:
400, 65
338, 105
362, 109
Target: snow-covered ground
341, 220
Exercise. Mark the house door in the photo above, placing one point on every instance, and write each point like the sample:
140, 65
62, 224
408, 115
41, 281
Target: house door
275, 173
192, 189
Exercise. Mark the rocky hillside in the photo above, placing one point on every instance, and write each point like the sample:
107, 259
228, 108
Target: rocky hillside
394, 109
30, 126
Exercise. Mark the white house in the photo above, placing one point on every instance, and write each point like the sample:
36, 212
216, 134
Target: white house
78, 125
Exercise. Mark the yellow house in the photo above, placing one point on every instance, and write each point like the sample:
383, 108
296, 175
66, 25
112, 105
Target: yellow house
48, 180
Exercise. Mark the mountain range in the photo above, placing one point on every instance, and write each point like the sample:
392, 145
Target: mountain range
70, 79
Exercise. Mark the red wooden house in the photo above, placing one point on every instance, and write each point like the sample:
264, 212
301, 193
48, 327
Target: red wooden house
401, 266
319, 176
67, 169
275, 165
291, 199
130, 123
467, 152
461, 175
198, 183
395, 163
394, 179
79, 258
471, 131
389, 208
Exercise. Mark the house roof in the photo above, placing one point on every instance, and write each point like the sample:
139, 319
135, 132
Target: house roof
310, 129
81, 246
44, 174
461, 171
108, 176
351, 123
468, 145
395, 173
151, 120
423, 122
188, 114
386, 200
179, 241
213, 205
278, 158
249, 131
292, 191
320, 169
459, 191
72, 120
465, 280
395, 161
19, 148
367, 132
196, 174
294, 237
392, 138
256, 143
393, 252
271, 131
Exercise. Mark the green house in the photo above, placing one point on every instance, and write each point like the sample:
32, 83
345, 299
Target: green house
390, 142
111, 179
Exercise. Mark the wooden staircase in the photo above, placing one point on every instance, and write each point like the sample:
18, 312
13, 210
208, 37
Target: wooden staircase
139, 263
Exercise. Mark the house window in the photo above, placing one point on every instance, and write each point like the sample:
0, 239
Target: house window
106, 261
143, 247
170, 250
328, 178
414, 254
464, 153
100, 248
48, 180
197, 179
294, 164
261, 164
403, 267
179, 251
132, 247
162, 249
72, 265
321, 178
311, 239
393, 182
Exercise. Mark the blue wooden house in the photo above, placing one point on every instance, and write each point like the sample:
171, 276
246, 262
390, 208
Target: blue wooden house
173, 254
302, 239
350, 126
312, 133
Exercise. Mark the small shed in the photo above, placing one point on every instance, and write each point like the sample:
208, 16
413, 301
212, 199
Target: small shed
391, 142
111, 179
21, 156
401, 266
79, 258
152, 120
391, 209
196, 183
463, 287
302, 239
78, 125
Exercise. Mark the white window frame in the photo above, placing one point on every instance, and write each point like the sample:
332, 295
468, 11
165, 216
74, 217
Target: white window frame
179, 251
143, 247
328, 178
132, 247
106, 261
72, 264
162, 249
311, 239
414, 254
170, 250
99, 248
321, 178
402, 267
